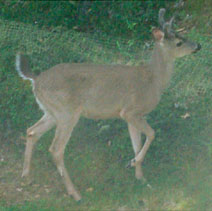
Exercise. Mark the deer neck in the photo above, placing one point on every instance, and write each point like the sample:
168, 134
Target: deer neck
162, 67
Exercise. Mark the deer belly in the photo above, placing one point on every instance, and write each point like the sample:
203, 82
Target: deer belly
101, 112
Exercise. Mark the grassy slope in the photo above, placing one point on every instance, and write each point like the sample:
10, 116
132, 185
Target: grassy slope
178, 165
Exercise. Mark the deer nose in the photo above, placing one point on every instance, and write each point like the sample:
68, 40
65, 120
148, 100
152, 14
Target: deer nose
197, 48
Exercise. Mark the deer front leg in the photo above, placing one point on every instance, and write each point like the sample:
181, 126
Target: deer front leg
135, 136
133, 118
33, 134
150, 134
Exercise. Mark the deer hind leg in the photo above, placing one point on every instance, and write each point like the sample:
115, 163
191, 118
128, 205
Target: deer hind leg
64, 128
33, 134
135, 136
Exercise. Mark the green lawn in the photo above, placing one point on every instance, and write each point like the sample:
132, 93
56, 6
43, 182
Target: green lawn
177, 166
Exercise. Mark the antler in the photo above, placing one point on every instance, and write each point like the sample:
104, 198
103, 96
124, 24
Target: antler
161, 17
165, 26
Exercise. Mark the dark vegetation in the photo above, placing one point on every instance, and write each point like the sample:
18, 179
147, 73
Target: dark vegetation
178, 164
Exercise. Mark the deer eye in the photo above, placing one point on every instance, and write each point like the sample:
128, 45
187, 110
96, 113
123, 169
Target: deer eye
179, 44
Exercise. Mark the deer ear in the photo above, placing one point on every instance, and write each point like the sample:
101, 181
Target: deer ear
158, 34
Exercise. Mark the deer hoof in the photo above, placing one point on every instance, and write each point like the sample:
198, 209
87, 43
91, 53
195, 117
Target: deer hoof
131, 163
30, 133
128, 165
25, 173
77, 197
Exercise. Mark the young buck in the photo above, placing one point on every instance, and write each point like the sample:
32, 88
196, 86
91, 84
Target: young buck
67, 91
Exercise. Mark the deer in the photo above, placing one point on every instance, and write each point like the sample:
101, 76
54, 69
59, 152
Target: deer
69, 91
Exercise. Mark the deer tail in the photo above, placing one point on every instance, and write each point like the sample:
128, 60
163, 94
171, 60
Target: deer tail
23, 68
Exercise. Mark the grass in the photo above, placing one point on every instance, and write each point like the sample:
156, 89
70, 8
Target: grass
181, 178
177, 166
